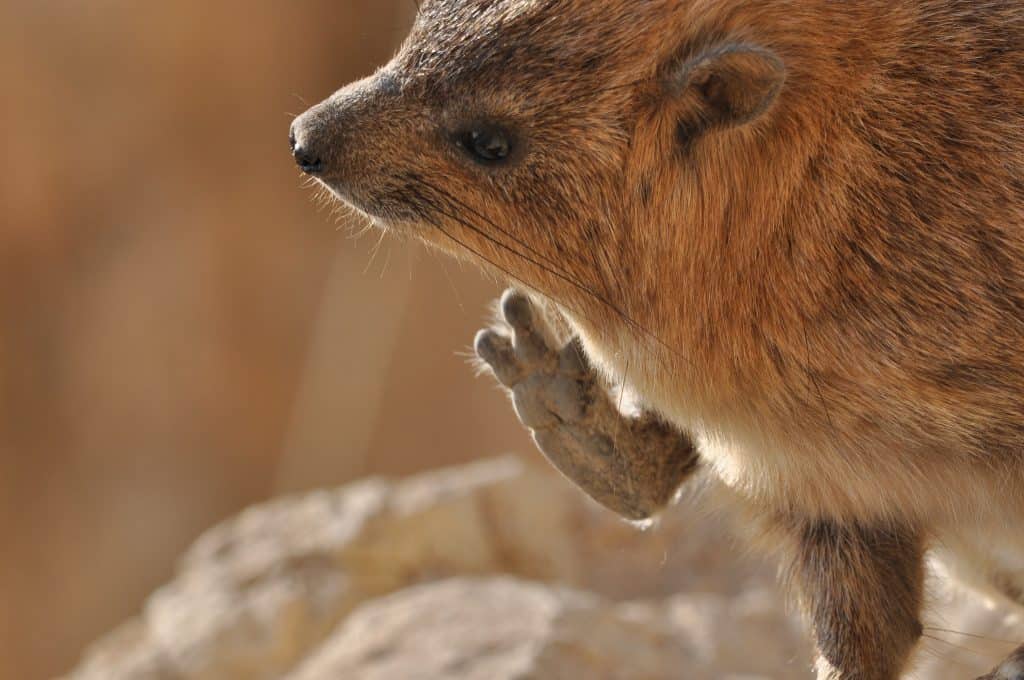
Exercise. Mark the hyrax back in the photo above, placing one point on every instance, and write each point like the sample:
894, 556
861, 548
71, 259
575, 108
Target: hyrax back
794, 228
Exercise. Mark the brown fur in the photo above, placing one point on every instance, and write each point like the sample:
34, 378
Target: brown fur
827, 290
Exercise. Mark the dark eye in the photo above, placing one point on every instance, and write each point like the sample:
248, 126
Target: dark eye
486, 144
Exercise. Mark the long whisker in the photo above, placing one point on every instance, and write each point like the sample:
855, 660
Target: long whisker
435, 223
970, 635
547, 269
454, 216
469, 249
961, 647
558, 274
491, 223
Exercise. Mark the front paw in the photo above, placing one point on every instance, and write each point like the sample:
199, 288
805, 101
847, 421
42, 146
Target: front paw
551, 387
632, 466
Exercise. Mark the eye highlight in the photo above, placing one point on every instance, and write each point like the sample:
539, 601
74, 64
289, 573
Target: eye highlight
485, 144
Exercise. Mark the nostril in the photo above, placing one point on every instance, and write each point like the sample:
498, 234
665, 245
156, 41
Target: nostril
307, 161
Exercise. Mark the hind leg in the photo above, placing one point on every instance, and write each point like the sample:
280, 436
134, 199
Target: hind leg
633, 466
862, 589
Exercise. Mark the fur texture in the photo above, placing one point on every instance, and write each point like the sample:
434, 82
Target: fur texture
794, 227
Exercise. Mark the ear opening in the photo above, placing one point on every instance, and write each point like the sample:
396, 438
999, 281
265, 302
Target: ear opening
726, 86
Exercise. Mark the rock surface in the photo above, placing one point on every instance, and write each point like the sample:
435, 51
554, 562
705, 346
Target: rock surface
495, 570
502, 629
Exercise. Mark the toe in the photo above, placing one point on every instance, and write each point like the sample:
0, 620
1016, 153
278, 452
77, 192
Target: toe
517, 310
529, 343
496, 351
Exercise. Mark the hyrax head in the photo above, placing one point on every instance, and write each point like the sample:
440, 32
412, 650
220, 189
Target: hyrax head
539, 137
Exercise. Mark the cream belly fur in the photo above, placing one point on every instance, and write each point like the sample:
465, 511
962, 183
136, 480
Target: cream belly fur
977, 520
813, 474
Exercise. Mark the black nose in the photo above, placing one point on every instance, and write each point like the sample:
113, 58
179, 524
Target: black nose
307, 159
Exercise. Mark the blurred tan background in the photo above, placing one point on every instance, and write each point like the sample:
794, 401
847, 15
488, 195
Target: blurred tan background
182, 331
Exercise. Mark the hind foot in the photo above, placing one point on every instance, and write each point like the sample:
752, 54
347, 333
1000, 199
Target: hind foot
633, 466
1011, 669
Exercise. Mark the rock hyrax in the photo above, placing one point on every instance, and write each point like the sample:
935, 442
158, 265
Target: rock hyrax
794, 229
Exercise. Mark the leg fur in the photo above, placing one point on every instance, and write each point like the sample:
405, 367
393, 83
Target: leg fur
862, 591
632, 466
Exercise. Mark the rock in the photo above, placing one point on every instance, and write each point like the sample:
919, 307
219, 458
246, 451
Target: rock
747, 635
501, 629
495, 570
128, 653
255, 594
491, 630
498, 569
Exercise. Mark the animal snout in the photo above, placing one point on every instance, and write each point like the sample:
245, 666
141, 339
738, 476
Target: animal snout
329, 140
304, 145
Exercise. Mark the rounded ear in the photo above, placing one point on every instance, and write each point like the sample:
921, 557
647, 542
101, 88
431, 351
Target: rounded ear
725, 86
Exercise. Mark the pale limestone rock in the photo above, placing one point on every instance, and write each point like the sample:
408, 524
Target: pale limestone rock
385, 575
501, 629
256, 594
127, 654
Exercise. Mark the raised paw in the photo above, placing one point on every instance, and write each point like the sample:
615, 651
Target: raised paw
631, 465
1011, 669
550, 387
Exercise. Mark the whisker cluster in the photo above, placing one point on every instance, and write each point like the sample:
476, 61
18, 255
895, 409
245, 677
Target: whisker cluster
437, 201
